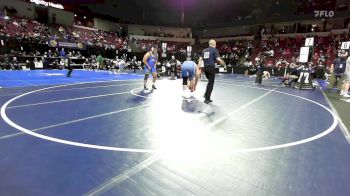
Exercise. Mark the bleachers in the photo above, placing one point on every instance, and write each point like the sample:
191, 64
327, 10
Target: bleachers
286, 48
20, 27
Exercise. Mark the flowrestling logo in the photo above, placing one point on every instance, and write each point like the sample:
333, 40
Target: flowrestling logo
47, 4
324, 13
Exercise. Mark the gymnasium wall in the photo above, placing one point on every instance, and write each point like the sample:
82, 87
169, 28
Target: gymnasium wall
154, 38
62, 17
27, 10
225, 32
151, 30
105, 25
23, 8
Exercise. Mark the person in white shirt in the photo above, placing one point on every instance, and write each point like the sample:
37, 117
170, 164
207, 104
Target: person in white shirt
121, 64
271, 53
38, 64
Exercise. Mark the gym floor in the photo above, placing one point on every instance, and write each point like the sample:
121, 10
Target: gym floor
100, 134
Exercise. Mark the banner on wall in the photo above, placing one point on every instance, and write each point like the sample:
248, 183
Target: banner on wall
48, 4
72, 45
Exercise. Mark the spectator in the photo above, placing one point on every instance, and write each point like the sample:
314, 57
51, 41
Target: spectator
15, 64
62, 53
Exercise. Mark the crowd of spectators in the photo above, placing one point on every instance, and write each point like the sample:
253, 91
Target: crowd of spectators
172, 47
92, 37
17, 60
281, 51
31, 31
24, 30
56, 59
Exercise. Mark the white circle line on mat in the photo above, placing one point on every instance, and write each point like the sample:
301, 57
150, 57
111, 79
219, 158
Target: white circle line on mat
110, 148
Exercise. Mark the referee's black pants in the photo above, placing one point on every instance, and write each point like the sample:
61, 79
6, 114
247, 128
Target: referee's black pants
259, 76
70, 70
210, 74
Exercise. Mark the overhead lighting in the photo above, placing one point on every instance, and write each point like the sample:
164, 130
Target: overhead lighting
84, 17
75, 15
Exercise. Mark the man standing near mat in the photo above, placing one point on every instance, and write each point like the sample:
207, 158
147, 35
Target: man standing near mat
150, 61
209, 57
337, 71
346, 79
260, 70
69, 65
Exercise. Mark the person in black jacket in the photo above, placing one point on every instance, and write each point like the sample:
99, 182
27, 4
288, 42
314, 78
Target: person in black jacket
134, 63
337, 70
172, 69
69, 66
259, 70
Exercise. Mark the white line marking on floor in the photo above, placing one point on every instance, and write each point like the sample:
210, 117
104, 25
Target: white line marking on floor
23, 81
216, 122
133, 91
79, 88
7, 95
65, 100
6, 119
303, 141
122, 177
318, 136
342, 126
92, 87
75, 121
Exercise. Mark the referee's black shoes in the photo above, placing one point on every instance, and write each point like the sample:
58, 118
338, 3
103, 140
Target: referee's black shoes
207, 101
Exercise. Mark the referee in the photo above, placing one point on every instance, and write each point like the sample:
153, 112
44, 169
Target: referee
69, 65
209, 57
